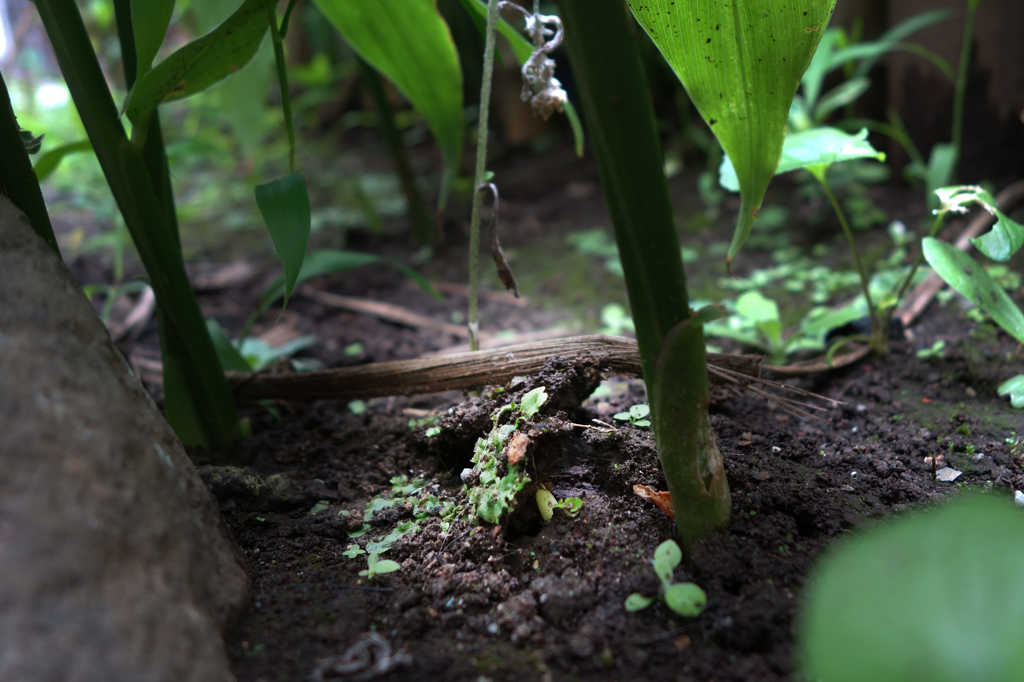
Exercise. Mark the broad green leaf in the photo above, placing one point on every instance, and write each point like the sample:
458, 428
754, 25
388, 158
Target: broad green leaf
49, 161
1015, 388
408, 42
813, 147
741, 64
686, 599
202, 62
386, 566
284, 204
840, 96
230, 359
532, 401
964, 274
934, 596
150, 19
764, 312
1003, 240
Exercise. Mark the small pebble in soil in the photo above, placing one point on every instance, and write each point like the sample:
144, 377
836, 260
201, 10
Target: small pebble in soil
1018, 498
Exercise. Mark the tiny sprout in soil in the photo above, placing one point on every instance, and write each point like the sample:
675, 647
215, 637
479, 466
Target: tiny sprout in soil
637, 415
686, 599
377, 566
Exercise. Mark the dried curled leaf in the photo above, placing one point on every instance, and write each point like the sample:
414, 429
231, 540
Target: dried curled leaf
517, 448
662, 499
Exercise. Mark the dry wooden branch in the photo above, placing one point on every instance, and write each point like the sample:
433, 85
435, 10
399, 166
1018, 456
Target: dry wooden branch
471, 370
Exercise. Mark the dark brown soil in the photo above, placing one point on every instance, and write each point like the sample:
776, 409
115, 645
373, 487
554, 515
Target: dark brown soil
526, 599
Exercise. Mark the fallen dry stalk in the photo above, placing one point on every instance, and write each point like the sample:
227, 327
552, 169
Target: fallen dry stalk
471, 370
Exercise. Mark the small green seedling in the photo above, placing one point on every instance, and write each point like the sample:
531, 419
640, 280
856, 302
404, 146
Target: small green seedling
686, 599
637, 415
353, 551
547, 503
377, 566
936, 352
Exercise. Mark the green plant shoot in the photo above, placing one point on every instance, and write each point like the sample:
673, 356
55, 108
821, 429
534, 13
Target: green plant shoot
741, 64
686, 599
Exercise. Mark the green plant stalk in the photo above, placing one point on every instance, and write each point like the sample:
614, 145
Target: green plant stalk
282, 76
128, 175
422, 225
960, 86
17, 179
479, 173
617, 108
879, 334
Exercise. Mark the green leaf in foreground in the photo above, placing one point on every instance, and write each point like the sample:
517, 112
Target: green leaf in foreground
968, 277
408, 42
150, 19
1015, 388
1006, 236
934, 596
284, 204
741, 64
49, 161
202, 62
813, 147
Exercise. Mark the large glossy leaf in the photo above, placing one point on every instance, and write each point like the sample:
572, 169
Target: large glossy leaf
966, 275
284, 204
936, 596
741, 64
813, 147
150, 19
202, 62
409, 43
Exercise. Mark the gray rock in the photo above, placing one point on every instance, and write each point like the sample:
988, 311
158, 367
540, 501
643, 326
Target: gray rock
114, 564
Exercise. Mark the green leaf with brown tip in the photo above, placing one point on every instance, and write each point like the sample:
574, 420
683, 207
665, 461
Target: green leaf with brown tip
741, 64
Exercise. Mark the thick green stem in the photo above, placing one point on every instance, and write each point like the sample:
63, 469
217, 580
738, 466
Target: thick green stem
480, 172
960, 87
879, 334
422, 225
147, 217
282, 76
618, 112
17, 179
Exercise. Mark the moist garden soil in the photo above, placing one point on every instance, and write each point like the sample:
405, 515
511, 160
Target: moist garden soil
533, 600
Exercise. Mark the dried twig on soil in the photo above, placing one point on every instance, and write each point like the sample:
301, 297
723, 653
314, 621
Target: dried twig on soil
462, 371
379, 309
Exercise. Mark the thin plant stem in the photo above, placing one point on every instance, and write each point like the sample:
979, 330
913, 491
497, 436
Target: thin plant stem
282, 76
875, 326
913, 268
960, 87
481, 170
